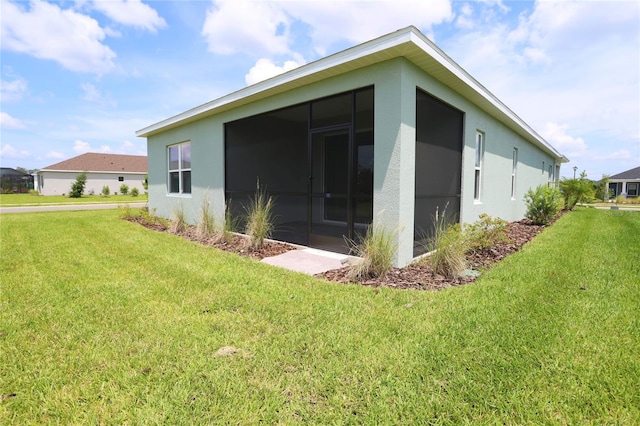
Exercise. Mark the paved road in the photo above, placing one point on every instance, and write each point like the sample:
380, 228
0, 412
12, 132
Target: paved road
63, 207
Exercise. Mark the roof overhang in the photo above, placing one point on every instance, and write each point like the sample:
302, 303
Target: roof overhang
93, 171
408, 43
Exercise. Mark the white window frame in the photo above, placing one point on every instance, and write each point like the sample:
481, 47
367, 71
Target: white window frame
514, 172
478, 163
180, 170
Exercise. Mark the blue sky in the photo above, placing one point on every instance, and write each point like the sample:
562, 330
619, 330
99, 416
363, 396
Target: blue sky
80, 76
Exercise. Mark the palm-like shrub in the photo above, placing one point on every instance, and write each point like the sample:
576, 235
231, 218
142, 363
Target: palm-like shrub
577, 191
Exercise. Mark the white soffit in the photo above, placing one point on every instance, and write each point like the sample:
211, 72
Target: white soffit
409, 43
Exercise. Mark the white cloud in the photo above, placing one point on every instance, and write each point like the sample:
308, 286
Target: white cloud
253, 28
12, 90
265, 68
620, 154
465, 19
7, 151
131, 13
556, 134
257, 28
92, 94
9, 122
55, 155
46, 31
81, 146
574, 64
360, 21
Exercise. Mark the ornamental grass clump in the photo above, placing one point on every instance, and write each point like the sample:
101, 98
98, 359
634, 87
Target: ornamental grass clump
179, 223
259, 218
207, 225
376, 251
448, 247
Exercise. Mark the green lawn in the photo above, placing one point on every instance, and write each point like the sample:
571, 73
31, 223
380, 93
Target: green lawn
105, 322
11, 200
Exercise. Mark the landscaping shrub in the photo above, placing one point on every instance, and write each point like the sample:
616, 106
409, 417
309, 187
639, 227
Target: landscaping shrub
34, 192
543, 204
135, 192
126, 212
77, 187
485, 232
106, 191
149, 218
377, 251
124, 189
259, 218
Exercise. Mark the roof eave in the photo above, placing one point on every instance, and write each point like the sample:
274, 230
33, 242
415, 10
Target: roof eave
408, 43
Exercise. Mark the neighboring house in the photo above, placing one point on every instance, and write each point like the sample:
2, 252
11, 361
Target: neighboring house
110, 170
14, 181
388, 132
626, 183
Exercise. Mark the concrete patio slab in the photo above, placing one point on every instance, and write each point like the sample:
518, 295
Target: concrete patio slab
308, 260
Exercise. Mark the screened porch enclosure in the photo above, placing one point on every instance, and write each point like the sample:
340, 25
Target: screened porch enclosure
315, 160
439, 140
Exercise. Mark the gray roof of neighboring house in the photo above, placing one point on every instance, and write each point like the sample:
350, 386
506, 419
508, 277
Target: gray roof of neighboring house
96, 162
629, 174
408, 43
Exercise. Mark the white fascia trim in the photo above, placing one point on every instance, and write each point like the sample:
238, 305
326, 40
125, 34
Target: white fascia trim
443, 59
90, 171
324, 64
387, 42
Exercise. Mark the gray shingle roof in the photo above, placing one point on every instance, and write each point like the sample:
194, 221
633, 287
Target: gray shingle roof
96, 162
629, 174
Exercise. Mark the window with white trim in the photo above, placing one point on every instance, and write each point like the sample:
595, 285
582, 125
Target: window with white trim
550, 173
179, 178
514, 169
477, 187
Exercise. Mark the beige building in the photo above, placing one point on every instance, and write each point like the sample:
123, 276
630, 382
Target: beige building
112, 170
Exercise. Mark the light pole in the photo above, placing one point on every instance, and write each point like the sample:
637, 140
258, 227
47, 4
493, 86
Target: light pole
575, 169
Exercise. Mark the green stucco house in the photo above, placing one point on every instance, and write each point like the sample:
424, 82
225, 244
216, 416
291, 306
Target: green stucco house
388, 132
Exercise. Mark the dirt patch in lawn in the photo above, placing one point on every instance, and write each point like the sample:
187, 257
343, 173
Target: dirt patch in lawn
418, 276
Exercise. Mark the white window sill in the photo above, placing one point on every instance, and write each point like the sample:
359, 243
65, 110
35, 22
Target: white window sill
174, 195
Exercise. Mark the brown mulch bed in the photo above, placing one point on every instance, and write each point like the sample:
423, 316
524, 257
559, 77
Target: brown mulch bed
237, 244
420, 276
417, 276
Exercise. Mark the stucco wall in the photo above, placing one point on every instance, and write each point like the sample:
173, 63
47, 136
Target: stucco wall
395, 84
58, 183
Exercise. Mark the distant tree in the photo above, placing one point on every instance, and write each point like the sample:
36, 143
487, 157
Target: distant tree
77, 187
602, 188
23, 170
